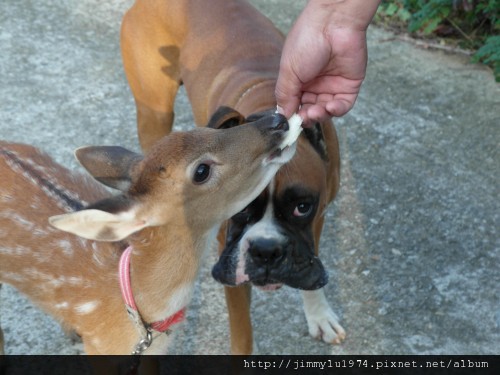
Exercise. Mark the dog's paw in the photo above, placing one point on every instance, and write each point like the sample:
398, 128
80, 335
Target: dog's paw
322, 322
324, 325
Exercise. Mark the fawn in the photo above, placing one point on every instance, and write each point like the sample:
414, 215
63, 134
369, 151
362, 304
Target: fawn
173, 200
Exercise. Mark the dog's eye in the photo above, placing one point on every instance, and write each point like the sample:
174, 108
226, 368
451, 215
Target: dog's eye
302, 209
201, 173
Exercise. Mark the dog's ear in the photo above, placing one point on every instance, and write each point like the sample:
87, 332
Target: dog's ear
225, 117
314, 135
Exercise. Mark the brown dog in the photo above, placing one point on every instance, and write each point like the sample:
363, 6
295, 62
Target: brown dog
227, 54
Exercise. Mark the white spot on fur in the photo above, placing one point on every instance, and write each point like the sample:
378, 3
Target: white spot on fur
34, 273
86, 307
66, 247
6, 198
97, 259
39, 232
21, 221
74, 280
61, 305
55, 283
13, 277
17, 250
36, 203
83, 243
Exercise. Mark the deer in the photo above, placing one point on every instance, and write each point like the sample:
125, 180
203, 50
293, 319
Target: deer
119, 270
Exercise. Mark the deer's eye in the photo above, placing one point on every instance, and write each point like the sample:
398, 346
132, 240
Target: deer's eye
201, 173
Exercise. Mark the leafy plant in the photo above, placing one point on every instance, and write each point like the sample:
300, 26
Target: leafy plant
489, 53
430, 16
473, 24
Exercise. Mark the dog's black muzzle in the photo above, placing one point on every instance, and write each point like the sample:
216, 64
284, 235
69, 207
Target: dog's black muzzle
269, 261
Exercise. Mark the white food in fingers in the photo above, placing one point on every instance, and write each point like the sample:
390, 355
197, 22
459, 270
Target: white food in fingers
295, 127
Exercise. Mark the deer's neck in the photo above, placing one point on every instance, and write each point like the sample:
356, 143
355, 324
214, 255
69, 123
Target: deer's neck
163, 269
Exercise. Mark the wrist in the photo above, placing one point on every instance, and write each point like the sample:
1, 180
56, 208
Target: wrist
349, 14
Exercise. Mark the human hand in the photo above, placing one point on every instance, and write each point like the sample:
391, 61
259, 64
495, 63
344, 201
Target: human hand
323, 62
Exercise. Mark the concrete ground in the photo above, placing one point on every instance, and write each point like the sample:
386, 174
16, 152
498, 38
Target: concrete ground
411, 242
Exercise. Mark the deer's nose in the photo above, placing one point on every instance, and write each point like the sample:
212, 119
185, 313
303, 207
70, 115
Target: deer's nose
275, 125
279, 122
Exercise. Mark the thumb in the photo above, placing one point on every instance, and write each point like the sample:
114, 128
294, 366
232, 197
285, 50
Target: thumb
287, 92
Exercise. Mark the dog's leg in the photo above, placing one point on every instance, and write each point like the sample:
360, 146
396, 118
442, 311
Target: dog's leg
240, 324
321, 320
150, 59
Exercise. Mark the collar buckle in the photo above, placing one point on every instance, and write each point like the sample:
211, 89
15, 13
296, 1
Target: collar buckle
144, 343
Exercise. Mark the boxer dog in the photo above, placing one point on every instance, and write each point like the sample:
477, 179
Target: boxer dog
227, 55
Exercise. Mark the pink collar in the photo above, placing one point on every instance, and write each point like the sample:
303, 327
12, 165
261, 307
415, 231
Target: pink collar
128, 297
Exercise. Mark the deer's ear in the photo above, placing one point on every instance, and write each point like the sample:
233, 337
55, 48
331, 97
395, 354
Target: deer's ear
224, 118
110, 219
98, 225
111, 165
